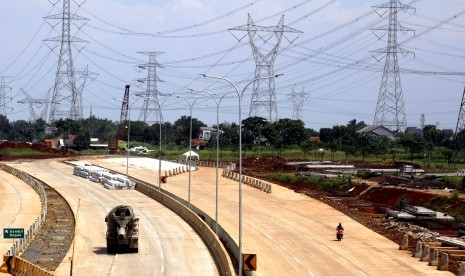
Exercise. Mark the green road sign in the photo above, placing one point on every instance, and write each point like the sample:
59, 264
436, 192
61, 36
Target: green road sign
13, 233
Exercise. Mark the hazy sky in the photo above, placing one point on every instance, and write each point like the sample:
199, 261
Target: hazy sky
331, 60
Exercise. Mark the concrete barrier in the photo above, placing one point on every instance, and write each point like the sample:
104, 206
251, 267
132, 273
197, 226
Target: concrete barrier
425, 254
461, 269
197, 222
418, 250
34, 183
20, 266
443, 263
404, 243
434, 258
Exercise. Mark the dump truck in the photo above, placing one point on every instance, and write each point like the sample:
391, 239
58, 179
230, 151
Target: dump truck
122, 230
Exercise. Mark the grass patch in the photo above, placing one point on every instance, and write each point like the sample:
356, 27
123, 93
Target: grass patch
311, 180
20, 152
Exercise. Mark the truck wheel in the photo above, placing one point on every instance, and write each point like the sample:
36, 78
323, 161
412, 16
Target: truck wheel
111, 249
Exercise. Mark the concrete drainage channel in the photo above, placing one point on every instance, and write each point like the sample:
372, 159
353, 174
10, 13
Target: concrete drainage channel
53, 239
52, 242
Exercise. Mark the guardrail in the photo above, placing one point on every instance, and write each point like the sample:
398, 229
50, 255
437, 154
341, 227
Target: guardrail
21, 244
253, 182
197, 219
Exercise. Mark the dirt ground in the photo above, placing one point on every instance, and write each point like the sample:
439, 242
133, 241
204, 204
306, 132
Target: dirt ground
369, 208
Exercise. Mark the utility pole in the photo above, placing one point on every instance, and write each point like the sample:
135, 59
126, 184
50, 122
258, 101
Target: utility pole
4, 99
264, 94
390, 109
298, 100
151, 104
67, 95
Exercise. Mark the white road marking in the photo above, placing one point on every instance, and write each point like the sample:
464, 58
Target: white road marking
308, 237
201, 199
361, 272
296, 259
310, 273
226, 211
162, 268
282, 247
324, 247
268, 237
343, 259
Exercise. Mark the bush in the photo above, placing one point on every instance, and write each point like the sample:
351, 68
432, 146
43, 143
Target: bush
319, 182
456, 181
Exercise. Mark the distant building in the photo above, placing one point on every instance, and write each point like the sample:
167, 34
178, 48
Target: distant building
314, 139
50, 129
377, 130
448, 133
208, 132
415, 131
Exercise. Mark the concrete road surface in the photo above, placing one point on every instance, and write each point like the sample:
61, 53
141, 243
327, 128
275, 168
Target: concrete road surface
167, 245
291, 234
19, 206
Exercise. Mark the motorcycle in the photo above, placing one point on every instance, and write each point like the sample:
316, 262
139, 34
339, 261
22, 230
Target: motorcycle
339, 234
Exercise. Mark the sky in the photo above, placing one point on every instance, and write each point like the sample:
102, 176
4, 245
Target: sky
331, 60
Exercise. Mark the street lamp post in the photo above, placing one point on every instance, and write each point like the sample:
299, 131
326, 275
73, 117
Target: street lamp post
240, 95
160, 106
191, 104
129, 130
217, 102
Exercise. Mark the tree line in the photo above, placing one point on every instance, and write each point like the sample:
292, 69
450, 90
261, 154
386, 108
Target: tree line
257, 133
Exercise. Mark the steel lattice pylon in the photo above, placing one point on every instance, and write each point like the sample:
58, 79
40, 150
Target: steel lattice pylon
40, 103
264, 94
67, 95
298, 100
390, 108
151, 106
461, 118
4, 88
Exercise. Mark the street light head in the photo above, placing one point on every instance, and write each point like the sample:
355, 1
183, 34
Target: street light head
203, 75
278, 75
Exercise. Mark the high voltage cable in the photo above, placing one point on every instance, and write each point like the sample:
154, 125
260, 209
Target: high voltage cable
178, 29
344, 67
110, 58
436, 52
112, 50
104, 70
161, 34
27, 45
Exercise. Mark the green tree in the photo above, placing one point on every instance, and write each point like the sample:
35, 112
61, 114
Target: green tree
82, 140
252, 131
4, 127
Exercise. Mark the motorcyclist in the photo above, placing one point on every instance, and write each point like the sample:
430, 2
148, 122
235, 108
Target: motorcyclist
340, 232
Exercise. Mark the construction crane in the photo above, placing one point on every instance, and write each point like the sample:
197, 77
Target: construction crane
120, 143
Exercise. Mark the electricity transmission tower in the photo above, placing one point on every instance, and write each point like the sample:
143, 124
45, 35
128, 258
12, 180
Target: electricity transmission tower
390, 109
67, 94
151, 104
461, 118
4, 99
33, 115
298, 100
264, 94
422, 120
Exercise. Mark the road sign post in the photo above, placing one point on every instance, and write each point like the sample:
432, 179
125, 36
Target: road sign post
13, 233
250, 262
